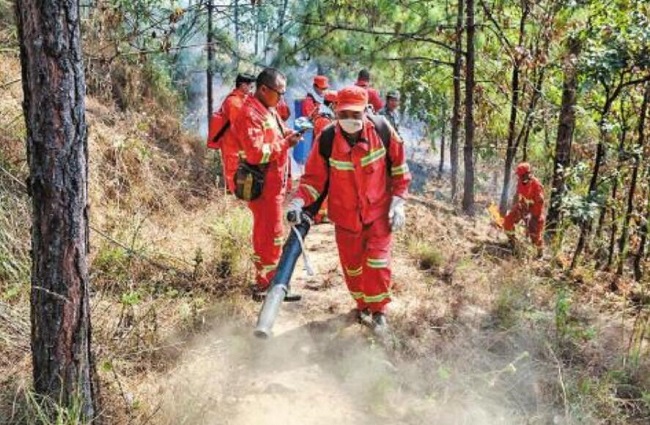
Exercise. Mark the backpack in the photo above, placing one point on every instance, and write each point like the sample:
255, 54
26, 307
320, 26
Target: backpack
218, 126
326, 144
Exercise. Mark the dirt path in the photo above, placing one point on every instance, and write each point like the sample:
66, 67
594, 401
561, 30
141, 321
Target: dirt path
321, 367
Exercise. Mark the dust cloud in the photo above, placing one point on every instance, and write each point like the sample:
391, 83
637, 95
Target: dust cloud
332, 371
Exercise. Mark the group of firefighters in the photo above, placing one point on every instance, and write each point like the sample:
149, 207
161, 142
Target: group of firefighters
357, 160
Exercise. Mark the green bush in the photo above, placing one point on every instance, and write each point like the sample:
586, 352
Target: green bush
232, 233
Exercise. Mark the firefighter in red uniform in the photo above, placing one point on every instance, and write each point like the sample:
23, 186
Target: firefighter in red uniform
265, 141
324, 115
363, 80
314, 97
368, 183
220, 127
528, 205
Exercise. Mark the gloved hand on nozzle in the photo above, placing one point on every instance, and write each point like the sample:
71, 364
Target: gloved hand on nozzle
294, 211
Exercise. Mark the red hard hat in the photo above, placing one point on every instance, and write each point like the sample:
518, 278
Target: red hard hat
330, 96
352, 98
523, 169
321, 82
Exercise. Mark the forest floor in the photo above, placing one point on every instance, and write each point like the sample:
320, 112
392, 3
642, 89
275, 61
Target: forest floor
479, 335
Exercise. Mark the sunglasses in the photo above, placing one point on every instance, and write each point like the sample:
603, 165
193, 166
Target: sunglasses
280, 93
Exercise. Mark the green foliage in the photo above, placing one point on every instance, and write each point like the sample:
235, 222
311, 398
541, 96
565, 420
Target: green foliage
428, 257
40, 410
231, 232
112, 262
568, 329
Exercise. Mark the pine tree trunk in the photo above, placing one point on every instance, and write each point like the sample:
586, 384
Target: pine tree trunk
622, 242
441, 166
511, 149
468, 151
57, 151
643, 235
236, 20
567, 123
455, 119
210, 60
612, 208
586, 226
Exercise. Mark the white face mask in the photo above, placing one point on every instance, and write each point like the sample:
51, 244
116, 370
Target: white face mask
350, 125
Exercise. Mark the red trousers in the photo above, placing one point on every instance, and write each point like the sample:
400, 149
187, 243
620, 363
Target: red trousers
534, 225
365, 259
230, 160
267, 234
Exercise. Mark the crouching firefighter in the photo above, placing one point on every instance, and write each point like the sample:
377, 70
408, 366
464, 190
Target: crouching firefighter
359, 162
528, 206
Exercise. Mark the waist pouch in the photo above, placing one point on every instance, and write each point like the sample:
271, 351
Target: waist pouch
249, 181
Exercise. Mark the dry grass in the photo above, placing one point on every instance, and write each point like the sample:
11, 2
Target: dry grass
477, 330
150, 189
555, 347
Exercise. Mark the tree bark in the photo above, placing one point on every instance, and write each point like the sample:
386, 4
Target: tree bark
57, 151
643, 232
468, 151
567, 123
614, 227
441, 166
455, 119
236, 20
210, 99
622, 242
511, 149
586, 225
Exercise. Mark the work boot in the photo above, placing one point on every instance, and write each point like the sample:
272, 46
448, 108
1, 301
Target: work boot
380, 324
364, 316
258, 293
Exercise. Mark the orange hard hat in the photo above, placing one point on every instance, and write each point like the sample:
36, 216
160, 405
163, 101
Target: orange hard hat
523, 169
330, 96
352, 98
321, 82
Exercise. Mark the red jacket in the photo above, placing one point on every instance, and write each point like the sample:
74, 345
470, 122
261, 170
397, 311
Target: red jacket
309, 105
530, 197
260, 134
230, 110
360, 185
373, 95
320, 122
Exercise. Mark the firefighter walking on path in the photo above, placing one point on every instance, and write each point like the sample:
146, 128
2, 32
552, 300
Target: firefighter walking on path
360, 161
528, 205
220, 134
265, 142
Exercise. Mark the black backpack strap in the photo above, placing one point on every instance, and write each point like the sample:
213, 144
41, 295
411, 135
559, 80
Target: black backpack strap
383, 129
226, 126
325, 146
221, 132
326, 142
